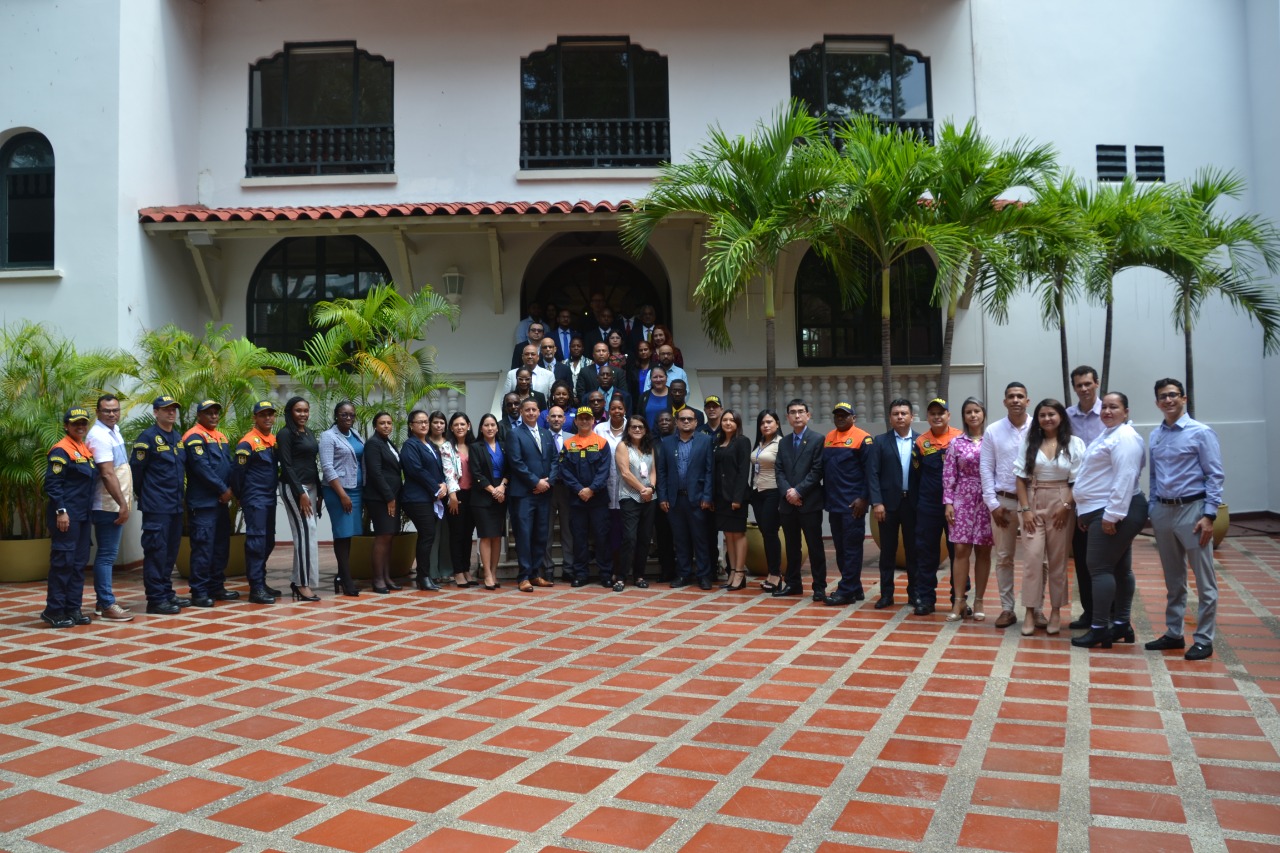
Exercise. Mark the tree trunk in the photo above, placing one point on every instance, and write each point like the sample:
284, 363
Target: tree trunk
1060, 308
1106, 348
770, 346
1186, 343
886, 348
948, 334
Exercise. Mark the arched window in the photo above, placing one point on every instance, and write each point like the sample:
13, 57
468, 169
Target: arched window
828, 333
845, 76
297, 273
594, 103
321, 109
26, 203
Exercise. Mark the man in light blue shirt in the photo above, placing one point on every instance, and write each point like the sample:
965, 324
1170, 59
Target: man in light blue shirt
1186, 491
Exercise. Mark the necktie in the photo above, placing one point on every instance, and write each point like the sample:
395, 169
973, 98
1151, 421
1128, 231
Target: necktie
537, 438
795, 439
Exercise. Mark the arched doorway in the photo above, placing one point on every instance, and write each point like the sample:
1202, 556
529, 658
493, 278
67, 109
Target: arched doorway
573, 268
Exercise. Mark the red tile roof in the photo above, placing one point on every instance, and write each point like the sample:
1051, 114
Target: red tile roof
200, 213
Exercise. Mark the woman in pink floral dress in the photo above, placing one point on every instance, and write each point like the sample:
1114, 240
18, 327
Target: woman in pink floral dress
968, 521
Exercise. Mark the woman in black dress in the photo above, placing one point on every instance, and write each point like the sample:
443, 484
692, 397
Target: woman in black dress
383, 482
489, 496
731, 470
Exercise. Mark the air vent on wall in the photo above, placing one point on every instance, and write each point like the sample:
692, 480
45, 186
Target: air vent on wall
1112, 162
1148, 162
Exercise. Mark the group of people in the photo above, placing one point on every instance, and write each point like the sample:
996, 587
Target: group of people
612, 448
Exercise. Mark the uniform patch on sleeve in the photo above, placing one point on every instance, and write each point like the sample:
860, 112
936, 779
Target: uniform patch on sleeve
140, 454
199, 449
57, 467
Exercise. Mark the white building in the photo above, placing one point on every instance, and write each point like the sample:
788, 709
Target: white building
177, 143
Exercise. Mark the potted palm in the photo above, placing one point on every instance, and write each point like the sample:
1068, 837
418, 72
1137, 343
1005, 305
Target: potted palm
41, 374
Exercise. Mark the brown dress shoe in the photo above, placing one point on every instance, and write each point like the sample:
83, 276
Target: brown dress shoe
1005, 619
542, 582
525, 586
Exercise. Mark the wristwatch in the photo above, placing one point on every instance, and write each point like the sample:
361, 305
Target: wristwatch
60, 511
1211, 517
1024, 509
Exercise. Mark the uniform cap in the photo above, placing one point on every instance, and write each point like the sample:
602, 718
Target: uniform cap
842, 407
712, 399
164, 401
938, 401
264, 406
75, 415
208, 404
584, 410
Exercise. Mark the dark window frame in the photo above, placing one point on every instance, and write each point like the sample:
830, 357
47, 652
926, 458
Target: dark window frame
344, 148
631, 141
922, 126
9, 178
277, 260
816, 282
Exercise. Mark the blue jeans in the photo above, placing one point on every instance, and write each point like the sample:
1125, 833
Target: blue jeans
106, 534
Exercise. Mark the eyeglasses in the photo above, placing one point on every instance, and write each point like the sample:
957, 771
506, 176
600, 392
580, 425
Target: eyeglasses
103, 412
418, 422
1169, 395
686, 420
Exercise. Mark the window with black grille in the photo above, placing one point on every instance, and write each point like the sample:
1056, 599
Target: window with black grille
1113, 162
1148, 162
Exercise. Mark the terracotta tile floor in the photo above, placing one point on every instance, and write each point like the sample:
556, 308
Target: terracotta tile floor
647, 720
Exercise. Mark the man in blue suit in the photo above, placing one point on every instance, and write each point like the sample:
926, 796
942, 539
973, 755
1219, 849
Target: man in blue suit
801, 499
684, 494
532, 466
888, 468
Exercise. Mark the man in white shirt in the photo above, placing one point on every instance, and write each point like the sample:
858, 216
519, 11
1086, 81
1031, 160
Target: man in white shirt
543, 379
1086, 424
1000, 446
110, 503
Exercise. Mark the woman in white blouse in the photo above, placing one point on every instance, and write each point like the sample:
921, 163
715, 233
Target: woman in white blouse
1046, 468
763, 494
1112, 510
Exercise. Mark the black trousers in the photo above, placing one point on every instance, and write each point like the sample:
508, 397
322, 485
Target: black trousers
637, 533
423, 516
461, 526
900, 521
764, 505
1084, 581
809, 525
1111, 561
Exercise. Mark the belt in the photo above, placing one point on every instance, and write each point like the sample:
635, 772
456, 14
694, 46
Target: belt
1013, 496
905, 493
1185, 499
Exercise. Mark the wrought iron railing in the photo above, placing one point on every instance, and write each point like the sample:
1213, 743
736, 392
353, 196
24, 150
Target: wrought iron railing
354, 149
594, 143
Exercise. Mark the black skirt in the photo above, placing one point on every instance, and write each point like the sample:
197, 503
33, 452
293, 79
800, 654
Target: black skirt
490, 519
731, 520
383, 524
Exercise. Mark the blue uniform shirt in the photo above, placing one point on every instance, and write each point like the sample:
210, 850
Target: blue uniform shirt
69, 479
208, 467
159, 466
253, 477
1186, 460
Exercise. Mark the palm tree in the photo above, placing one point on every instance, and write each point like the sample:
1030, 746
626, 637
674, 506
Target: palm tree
366, 348
1219, 255
874, 206
967, 190
759, 195
1132, 223
1054, 257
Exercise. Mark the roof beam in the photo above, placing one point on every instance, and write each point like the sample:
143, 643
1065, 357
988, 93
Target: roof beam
204, 257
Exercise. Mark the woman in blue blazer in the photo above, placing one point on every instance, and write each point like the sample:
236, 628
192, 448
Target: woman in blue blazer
424, 487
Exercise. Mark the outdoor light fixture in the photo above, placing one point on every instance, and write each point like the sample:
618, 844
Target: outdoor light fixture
453, 281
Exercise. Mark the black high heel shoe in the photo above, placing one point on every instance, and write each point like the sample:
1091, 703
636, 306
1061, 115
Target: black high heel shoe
298, 596
742, 584
393, 585
769, 586
1123, 633
381, 590
1095, 637
341, 589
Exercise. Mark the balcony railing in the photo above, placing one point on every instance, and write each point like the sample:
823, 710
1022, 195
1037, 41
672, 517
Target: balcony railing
358, 149
594, 143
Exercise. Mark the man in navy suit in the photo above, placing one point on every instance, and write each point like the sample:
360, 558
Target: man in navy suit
532, 466
888, 469
799, 475
684, 494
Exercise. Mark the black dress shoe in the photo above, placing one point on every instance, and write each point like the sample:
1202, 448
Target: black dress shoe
163, 608
1081, 624
426, 584
641, 583
923, 609
1199, 651
78, 617
884, 602
1165, 642
393, 585
180, 600
272, 591
859, 596
819, 595
226, 595
381, 590
261, 595
704, 584
911, 599
1122, 633
680, 583
1095, 637
578, 583
201, 602
839, 600
787, 589
56, 619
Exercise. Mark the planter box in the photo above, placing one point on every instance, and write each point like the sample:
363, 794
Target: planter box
757, 566
24, 560
235, 557
403, 552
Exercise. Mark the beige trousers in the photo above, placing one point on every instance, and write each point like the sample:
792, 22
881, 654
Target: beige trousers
1044, 552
